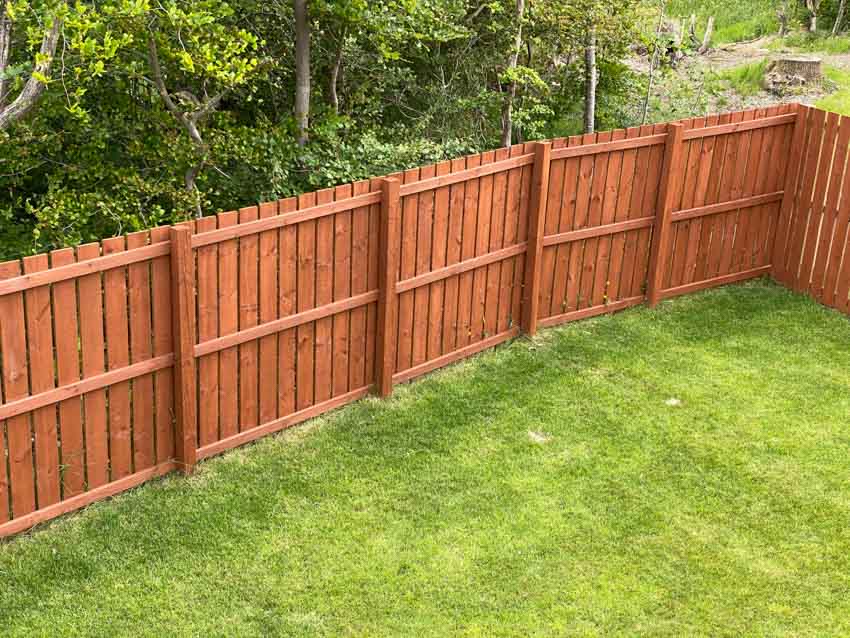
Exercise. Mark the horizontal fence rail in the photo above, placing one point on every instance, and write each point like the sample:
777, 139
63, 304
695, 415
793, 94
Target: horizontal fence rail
139, 356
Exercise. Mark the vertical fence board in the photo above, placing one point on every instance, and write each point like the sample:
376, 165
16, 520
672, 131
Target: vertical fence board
407, 269
208, 317
288, 257
372, 277
117, 356
68, 371
249, 253
40, 345
453, 256
163, 343
421, 297
324, 294
306, 300
15, 386
228, 323
92, 345
342, 275
139, 304
359, 236
439, 251
268, 308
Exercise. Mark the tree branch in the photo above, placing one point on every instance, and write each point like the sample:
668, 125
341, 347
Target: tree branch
29, 95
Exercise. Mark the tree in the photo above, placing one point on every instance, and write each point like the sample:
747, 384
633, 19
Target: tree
814, 7
590, 81
209, 58
507, 108
782, 11
839, 17
302, 71
28, 96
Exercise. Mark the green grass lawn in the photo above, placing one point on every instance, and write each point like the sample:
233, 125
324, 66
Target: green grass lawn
551, 487
839, 100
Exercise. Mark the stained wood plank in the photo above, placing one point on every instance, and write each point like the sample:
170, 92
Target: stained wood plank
287, 305
268, 300
453, 254
421, 297
249, 253
40, 348
342, 275
477, 326
19, 436
92, 351
306, 299
208, 317
116, 325
439, 251
228, 323
590, 262
359, 231
498, 212
323, 384
407, 269
141, 349
66, 331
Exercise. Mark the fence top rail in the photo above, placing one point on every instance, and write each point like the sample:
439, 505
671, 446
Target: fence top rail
82, 268
608, 147
739, 127
466, 174
286, 219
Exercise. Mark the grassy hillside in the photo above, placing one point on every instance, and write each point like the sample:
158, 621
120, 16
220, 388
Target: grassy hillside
734, 21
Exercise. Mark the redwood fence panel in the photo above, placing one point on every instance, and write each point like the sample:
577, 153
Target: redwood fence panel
138, 356
814, 249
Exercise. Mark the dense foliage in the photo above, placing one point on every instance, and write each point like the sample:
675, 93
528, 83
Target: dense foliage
117, 115
155, 111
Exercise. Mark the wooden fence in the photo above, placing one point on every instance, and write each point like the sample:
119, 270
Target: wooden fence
124, 360
813, 245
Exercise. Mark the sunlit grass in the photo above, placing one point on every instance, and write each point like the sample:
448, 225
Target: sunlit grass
673, 472
839, 100
747, 79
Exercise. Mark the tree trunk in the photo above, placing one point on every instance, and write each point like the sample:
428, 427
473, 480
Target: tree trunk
839, 17
590, 80
30, 94
302, 71
813, 24
653, 61
706, 39
783, 23
334, 79
5, 50
508, 105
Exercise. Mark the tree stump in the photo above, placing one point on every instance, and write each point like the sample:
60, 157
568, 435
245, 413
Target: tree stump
793, 74
808, 68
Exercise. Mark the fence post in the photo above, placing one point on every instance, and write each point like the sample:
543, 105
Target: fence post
534, 245
183, 319
388, 255
792, 174
670, 173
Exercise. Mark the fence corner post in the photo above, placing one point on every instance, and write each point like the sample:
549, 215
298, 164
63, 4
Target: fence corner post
789, 192
671, 172
183, 319
534, 245
388, 256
